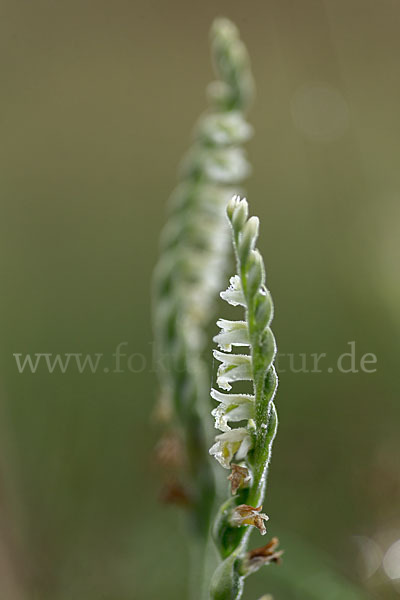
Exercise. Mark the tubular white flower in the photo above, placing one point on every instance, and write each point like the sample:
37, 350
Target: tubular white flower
233, 408
234, 367
233, 333
232, 413
251, 442
236, 442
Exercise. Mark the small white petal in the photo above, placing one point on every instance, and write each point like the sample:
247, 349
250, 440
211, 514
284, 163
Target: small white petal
230, 398
234, 294
233, 333
233, 413
232, 359
234, 367
245, 446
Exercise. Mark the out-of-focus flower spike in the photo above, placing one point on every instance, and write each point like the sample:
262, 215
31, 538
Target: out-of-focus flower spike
174, 492
235, 90
222, 129
193, 257
170, 451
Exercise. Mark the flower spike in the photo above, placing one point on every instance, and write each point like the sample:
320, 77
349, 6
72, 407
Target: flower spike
248, 420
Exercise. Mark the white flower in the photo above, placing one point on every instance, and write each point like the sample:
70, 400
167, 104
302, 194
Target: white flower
234, 367
234, 294
232, 407
234, 442
233, 333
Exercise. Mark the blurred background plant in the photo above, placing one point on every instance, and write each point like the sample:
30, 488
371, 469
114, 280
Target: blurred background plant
92, 126
190, 271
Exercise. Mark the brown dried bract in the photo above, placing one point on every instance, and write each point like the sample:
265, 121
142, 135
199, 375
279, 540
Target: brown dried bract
266, 554
249, 515
169, 451
239, 478
174, 492
163, 411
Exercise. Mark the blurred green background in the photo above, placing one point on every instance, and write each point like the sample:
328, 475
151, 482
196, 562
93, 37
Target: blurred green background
98, 100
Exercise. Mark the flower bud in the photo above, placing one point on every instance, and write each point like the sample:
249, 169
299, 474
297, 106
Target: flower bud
268, 347
263, 309
255, 272
239, 214
232, 204
248, 238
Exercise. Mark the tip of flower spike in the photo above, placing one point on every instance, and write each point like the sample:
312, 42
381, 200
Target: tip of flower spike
237, 211
232, 204
224, 28
236, 89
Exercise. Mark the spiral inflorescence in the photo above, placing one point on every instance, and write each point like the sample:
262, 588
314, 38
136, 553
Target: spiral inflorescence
247, 421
